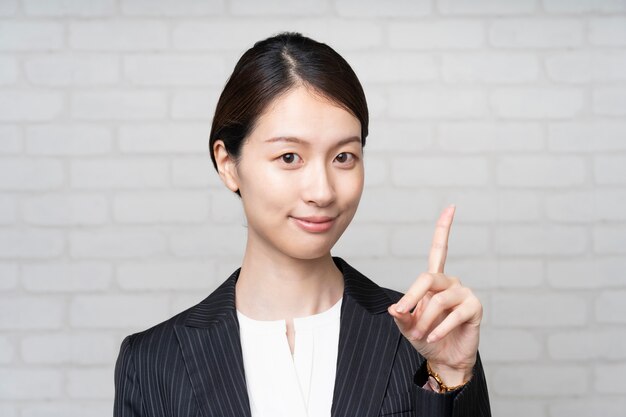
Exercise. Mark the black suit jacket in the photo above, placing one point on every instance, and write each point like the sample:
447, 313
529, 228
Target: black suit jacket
192, 364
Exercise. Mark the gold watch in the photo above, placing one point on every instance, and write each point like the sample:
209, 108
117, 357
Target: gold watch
436, 382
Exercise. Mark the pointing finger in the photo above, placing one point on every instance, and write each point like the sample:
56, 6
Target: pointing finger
439, 248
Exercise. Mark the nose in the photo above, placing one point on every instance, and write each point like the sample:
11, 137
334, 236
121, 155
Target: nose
319, 186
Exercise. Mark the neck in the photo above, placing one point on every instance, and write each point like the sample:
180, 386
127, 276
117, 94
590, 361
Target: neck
273, 287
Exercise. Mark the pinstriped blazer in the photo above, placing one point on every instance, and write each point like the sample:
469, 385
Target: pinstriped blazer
192, 364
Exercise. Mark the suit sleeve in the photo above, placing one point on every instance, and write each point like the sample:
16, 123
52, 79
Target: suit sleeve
128, 398
472, 400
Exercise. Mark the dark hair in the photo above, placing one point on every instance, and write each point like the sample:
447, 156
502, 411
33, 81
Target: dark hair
272, 67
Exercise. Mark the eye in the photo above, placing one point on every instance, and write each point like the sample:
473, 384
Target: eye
289, 158
345, 158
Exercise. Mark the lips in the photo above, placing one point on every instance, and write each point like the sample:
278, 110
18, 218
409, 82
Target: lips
315, 224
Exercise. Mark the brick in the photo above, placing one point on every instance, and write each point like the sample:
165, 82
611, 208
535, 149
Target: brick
175, 69
8, 8
490, 68
389, 206
449, 171
74, 140
610, 31
8, 276
519, 205
587, 345
519, 273
479, 137
226, 207
540, 171
393, 67
507, 407
68, 70
363, 240
420, 102
609, 378
536, 32
538, 310
376, 9
31, 243
449, 33
377, 101
589, 407
195, 172
404, 136
572, 206
8, 209
161, 8
177, 276
486, 7
584, 67
547, 103
66, 277
376, 171
31, 36
119, 173
8, 70
7, 350
118, 311
70, 348
583, 6
160, 207
65, 409
58, 8
10, 139
588, 136
608, 204
609, 101
116, 244
30, 384
279, 7
119, 35
197, 104
65, 209
30, 174
540, 240
477, 274
609, 239
471, 206
609, 169
22, 313
540, 380
509, 346
164, 138
587, 273
218, 240
94, 383
30, 106
611, 307
239, 34
124, 105
416, 240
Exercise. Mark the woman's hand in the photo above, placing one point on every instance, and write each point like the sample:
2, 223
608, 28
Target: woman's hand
444, 326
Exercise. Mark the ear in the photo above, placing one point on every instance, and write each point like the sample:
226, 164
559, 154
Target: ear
225, 166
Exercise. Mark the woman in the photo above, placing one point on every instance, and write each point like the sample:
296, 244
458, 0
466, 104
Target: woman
295, 331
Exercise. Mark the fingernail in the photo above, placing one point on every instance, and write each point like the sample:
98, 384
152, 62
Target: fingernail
400, 308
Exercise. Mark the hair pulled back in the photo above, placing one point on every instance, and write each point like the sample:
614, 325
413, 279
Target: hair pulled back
272, 67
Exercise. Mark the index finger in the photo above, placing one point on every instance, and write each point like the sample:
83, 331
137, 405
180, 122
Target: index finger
439, 248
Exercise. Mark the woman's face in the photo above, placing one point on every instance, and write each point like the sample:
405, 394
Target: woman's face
300, 175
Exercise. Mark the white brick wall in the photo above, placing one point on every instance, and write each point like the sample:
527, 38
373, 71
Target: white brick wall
113, 219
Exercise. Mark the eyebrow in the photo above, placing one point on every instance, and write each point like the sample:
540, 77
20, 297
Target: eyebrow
293, 139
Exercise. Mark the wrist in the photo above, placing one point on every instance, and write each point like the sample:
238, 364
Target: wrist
449, 376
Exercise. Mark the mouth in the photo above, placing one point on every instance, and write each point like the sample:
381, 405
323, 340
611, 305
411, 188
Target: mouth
315, 224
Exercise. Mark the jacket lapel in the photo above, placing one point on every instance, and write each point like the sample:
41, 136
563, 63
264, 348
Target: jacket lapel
211, 348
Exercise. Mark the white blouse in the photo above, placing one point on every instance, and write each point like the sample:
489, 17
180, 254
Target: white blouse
280, 384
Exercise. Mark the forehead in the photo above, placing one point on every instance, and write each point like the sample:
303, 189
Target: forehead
302, 113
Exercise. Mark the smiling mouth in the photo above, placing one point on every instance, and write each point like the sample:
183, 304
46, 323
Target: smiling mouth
315, 224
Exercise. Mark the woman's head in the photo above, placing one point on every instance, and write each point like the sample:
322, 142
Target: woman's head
269, 69
288, 138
